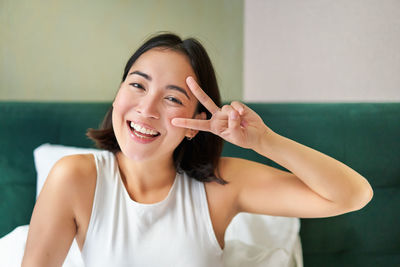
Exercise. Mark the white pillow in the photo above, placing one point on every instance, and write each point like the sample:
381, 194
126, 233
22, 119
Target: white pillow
46, 155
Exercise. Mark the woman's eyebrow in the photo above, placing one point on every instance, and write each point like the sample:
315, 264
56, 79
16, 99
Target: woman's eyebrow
180, 89
172, 87
144, 75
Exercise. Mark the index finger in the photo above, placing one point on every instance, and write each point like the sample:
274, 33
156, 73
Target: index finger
201, 125
203, 98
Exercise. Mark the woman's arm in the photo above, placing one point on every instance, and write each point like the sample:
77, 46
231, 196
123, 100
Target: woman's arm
328, 177
318, 185
52, 227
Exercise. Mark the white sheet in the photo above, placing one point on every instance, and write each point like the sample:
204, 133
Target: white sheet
254, 240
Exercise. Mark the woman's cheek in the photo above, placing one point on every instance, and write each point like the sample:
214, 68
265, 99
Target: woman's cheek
123, 101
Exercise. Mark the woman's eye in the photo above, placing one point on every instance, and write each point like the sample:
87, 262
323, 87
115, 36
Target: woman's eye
175, 100
137, 85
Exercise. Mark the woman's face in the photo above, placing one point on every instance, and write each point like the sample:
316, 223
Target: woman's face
153, 93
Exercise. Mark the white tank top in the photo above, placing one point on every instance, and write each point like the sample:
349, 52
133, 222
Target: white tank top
174, 232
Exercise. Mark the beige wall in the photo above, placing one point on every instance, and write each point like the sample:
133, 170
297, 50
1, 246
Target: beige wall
328, 51
76, 50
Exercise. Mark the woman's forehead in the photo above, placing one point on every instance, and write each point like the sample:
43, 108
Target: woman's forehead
166, 67
164, 60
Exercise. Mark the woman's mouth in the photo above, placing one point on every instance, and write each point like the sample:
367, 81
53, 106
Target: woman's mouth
142, 132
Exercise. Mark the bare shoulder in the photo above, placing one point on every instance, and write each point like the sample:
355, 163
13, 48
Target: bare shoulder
75, 164
72, 179
76, 175
77, 168
226, 195
72, 173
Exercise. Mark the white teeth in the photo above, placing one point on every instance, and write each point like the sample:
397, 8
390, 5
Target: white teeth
143, 129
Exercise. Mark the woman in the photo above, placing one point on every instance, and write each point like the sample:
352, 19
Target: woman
160, 195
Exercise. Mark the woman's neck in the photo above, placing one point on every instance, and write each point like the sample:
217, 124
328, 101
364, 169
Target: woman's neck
146, 179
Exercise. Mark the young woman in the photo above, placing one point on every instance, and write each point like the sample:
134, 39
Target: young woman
159, 194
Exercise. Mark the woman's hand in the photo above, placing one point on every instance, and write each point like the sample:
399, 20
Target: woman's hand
236, 123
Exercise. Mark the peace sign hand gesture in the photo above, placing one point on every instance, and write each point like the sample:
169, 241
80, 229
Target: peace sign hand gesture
236, 123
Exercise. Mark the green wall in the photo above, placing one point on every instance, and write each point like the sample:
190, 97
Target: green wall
76, 50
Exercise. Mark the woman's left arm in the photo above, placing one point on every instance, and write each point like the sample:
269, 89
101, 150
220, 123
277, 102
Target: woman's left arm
326, 176
318, 185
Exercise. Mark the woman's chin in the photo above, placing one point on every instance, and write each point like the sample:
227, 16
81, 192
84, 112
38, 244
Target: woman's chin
142, 157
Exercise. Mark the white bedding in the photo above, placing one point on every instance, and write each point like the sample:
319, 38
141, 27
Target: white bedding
254, 240
251, 240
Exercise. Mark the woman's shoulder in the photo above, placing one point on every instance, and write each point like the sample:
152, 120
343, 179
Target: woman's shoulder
75, 173
229, 166
74, 166
236, 172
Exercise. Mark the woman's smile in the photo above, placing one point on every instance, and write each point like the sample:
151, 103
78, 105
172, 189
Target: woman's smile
142, 133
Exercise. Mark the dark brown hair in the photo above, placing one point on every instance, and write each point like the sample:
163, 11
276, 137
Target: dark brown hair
197, 157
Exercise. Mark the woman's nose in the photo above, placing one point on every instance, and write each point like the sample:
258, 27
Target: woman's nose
148, 107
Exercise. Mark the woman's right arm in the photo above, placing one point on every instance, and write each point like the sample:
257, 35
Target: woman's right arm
52, 227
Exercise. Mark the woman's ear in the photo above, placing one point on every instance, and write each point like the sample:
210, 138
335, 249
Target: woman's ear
191, 133
201, 116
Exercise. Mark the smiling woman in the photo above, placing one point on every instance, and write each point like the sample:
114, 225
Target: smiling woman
160, 186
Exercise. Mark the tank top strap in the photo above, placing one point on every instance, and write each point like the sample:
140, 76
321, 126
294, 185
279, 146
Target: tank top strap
103, 200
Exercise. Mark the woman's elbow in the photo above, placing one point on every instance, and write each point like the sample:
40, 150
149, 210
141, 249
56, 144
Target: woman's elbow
362, 197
